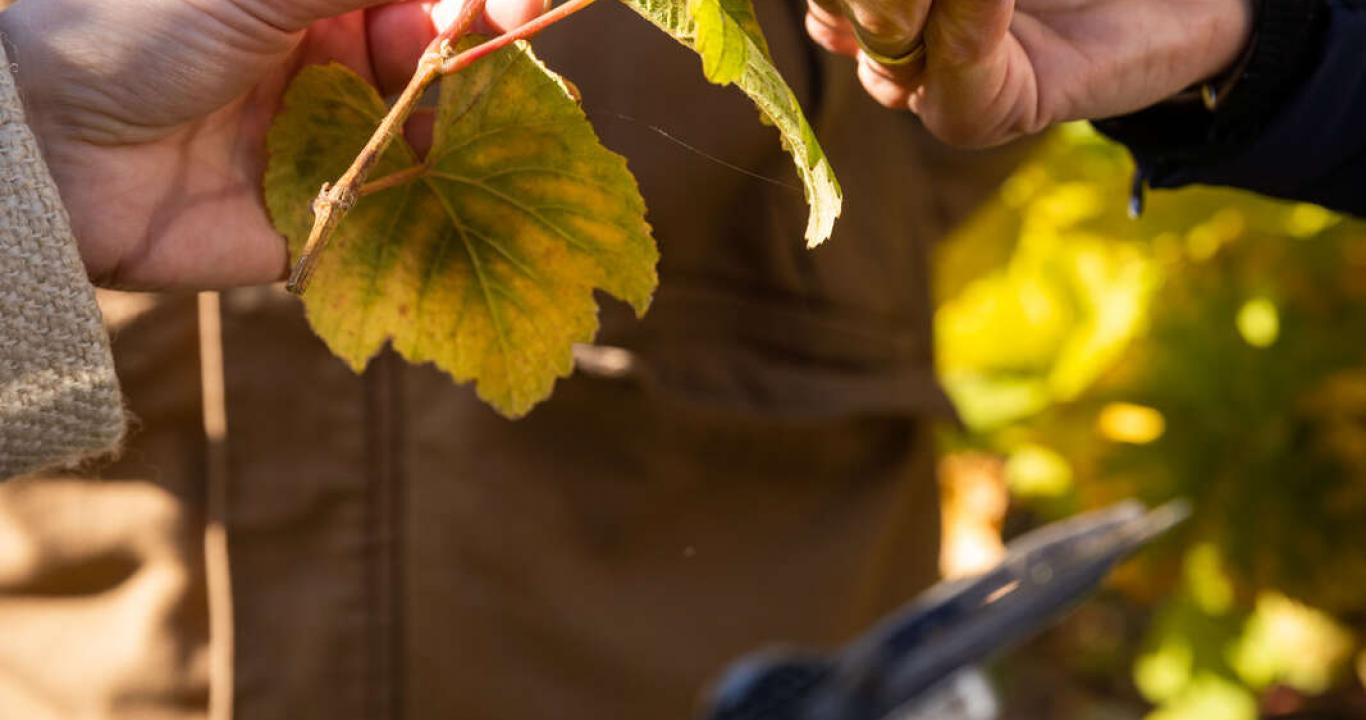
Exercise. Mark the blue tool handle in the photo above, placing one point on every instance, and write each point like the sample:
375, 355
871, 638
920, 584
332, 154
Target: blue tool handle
950, 627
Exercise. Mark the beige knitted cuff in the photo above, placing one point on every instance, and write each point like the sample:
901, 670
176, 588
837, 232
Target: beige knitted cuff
59, 399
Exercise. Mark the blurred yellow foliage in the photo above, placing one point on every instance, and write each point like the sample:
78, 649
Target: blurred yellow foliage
1214, 349
1129, 423
1290, 643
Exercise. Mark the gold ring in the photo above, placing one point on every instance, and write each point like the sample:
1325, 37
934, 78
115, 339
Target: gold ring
914, 51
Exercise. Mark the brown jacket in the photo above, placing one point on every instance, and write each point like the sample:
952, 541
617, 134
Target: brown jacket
750, 464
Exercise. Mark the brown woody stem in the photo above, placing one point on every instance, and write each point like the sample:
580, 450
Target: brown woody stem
521, 32
336, 199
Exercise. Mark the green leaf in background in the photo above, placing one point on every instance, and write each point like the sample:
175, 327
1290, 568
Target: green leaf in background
1042, 329
715, 32
485, 263
1209, 350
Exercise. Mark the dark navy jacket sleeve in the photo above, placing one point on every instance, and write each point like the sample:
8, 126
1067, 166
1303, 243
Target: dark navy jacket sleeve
1309, 144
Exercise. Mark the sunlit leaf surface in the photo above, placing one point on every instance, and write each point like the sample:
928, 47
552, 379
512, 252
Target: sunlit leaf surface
718, 32
486, 263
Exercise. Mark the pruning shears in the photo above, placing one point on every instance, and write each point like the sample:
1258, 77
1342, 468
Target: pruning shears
905, 658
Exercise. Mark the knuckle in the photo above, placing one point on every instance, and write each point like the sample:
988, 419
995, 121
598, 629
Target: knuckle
960, 134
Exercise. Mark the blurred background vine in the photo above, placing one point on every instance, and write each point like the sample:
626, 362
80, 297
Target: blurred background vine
1214, 349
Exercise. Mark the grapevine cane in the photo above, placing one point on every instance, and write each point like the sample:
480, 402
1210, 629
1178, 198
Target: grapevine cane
522, 32
336, 199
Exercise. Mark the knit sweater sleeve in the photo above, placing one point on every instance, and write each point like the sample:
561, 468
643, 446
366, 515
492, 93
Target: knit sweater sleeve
59, 399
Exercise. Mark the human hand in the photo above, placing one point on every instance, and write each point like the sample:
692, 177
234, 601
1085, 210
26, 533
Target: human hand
153, 116
998, 69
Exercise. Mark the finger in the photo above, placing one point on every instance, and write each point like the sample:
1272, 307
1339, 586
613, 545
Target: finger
400, 32
499, 15
297, 15
340, 40
420, 130
963, 32
828, 8
970, 96
504, 15
397, 35
891, 87
888, 27
830, 29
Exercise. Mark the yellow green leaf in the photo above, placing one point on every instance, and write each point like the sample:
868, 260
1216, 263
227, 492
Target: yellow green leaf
486, 262
727, 32
713, 28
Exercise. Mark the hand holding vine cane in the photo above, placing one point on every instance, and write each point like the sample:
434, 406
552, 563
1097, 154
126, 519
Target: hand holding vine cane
994, 70
153, 116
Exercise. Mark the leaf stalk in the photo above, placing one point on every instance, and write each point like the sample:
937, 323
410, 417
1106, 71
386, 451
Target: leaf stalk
392, 180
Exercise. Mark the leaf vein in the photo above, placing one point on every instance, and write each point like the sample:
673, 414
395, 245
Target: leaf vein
484, 134
527, 209
477, 99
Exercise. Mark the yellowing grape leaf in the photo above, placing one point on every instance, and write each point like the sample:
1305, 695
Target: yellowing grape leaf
727, 32
715, 29
486, 260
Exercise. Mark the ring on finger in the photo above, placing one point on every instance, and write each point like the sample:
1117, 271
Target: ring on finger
913, 54
912, 51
